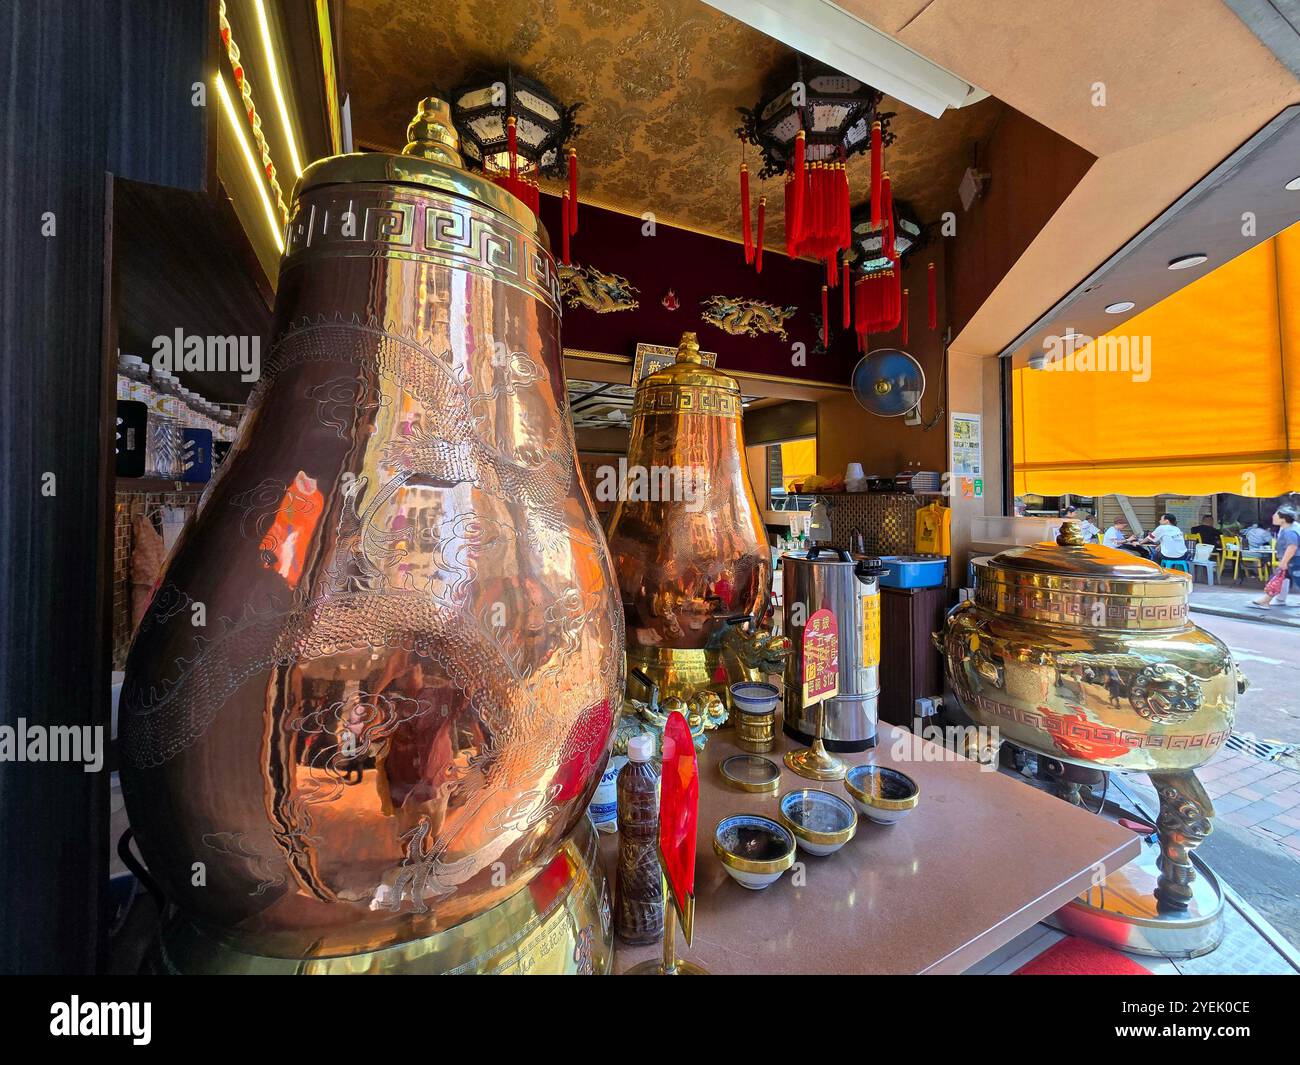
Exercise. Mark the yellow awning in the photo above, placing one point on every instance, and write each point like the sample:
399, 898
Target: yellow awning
1199, 394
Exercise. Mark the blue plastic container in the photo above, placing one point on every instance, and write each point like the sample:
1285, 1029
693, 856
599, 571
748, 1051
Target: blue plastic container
912, 571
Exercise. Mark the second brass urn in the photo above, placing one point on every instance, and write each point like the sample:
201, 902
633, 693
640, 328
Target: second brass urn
694, 569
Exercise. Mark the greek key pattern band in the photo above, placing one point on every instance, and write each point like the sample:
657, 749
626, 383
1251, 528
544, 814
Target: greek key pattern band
373, 221
687, 400
1103, 612
1078, 729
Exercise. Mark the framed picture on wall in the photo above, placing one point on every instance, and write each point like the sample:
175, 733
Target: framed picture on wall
653, 357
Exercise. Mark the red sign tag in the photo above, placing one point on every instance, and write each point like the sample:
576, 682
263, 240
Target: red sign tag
821, 658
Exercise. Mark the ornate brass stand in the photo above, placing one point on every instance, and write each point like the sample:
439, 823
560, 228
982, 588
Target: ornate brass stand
1183, 823
815, 762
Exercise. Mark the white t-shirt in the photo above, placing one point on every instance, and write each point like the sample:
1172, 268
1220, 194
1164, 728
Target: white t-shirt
1114, 537
1170, 539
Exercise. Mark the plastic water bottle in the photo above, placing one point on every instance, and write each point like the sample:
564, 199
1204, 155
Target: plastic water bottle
604, 803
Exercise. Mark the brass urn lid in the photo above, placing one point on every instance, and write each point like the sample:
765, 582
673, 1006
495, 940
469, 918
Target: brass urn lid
688, 386
1072, 582
431, 159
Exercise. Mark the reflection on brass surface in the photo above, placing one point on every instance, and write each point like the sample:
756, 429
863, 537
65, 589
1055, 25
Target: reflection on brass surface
691, 552
398, 696
559, 924
1084, 653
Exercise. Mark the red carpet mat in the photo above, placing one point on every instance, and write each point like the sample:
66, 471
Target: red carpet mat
1073, 956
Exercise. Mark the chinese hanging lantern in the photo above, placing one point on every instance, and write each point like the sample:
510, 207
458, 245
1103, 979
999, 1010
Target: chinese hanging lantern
884, 236
514, 130
807, 132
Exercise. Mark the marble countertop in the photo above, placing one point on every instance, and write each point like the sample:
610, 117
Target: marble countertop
981, 858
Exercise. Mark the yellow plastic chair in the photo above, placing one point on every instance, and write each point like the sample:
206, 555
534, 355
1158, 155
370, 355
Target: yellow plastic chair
1259, 562
1229, 551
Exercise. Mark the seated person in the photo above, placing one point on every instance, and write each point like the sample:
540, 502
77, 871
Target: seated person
1118, 534
1086, 527
1167, 539
1206, 530
1254, 536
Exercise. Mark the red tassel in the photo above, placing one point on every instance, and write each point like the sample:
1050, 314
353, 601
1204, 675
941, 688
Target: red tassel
744, 213
877, 166
512, 146
848, 212
844, 286
826, 319
878, 298
758, 248
887, 218
573, 190
797, 193
564, 225
904, 316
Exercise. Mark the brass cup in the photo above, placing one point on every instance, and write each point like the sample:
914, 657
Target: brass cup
756, 733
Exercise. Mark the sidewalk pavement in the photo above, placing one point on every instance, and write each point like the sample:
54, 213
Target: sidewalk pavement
1263, 797
1230, 600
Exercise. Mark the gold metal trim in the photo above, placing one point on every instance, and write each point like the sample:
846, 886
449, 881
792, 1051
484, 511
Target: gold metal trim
750, 865
557, 188
879, 802
626, 360
597, 356
749, 787
809, 835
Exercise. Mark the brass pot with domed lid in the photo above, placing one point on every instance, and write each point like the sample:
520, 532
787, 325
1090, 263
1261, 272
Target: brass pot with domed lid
1084, 653
694, 569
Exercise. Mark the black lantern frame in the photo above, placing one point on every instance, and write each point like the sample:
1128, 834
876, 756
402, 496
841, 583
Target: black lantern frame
868, 241
480, 110
836, 118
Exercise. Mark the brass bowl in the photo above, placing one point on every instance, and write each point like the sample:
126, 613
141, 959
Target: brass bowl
884, 795
820, 821
754, 850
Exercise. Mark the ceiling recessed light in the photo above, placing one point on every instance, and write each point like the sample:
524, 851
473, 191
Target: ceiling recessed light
1184, 261
1293, 185
1120, 307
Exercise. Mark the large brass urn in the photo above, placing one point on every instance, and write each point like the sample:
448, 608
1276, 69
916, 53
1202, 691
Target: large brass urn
1086, 654
687, 536
371, 699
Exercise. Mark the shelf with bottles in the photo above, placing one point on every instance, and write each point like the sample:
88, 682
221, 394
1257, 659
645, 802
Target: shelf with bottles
165, 432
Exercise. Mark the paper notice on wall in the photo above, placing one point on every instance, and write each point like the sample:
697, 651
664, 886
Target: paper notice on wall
967, 460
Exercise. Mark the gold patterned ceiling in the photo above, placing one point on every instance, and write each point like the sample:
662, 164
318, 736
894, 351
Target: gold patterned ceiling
661, 81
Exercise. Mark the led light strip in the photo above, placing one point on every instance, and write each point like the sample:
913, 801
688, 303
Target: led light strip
228, 106
254, 119
276, 87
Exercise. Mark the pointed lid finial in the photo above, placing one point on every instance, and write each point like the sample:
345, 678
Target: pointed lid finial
688, 350
431, 134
